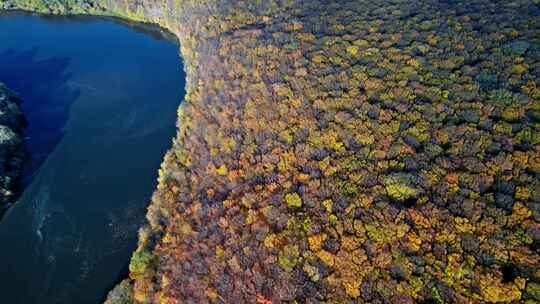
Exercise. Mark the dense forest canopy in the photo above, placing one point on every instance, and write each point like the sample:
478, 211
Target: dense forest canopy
344, 151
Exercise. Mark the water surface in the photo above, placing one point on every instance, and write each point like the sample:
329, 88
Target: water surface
100, 97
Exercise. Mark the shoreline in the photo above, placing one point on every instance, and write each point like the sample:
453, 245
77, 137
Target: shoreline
12, 153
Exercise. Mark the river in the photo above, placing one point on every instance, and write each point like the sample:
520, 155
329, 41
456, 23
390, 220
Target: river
100, 97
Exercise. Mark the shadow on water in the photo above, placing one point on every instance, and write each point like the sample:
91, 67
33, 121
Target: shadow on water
43, 86
101, 101
153, 30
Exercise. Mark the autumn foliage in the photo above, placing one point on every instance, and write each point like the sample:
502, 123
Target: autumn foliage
348, 151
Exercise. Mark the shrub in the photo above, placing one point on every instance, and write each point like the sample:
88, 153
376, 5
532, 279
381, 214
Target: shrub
139, 263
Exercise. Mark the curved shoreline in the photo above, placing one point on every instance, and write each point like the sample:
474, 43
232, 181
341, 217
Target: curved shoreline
344, 161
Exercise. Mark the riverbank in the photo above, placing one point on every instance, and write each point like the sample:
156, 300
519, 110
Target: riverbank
369, 151
11, 147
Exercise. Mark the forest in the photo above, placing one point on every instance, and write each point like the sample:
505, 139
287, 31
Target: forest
343, 152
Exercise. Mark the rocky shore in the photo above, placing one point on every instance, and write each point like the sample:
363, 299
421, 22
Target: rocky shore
11, 146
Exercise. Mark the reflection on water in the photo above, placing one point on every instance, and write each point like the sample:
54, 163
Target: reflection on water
101, 103
43, 84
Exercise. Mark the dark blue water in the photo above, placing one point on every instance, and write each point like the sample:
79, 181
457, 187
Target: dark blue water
101, 98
